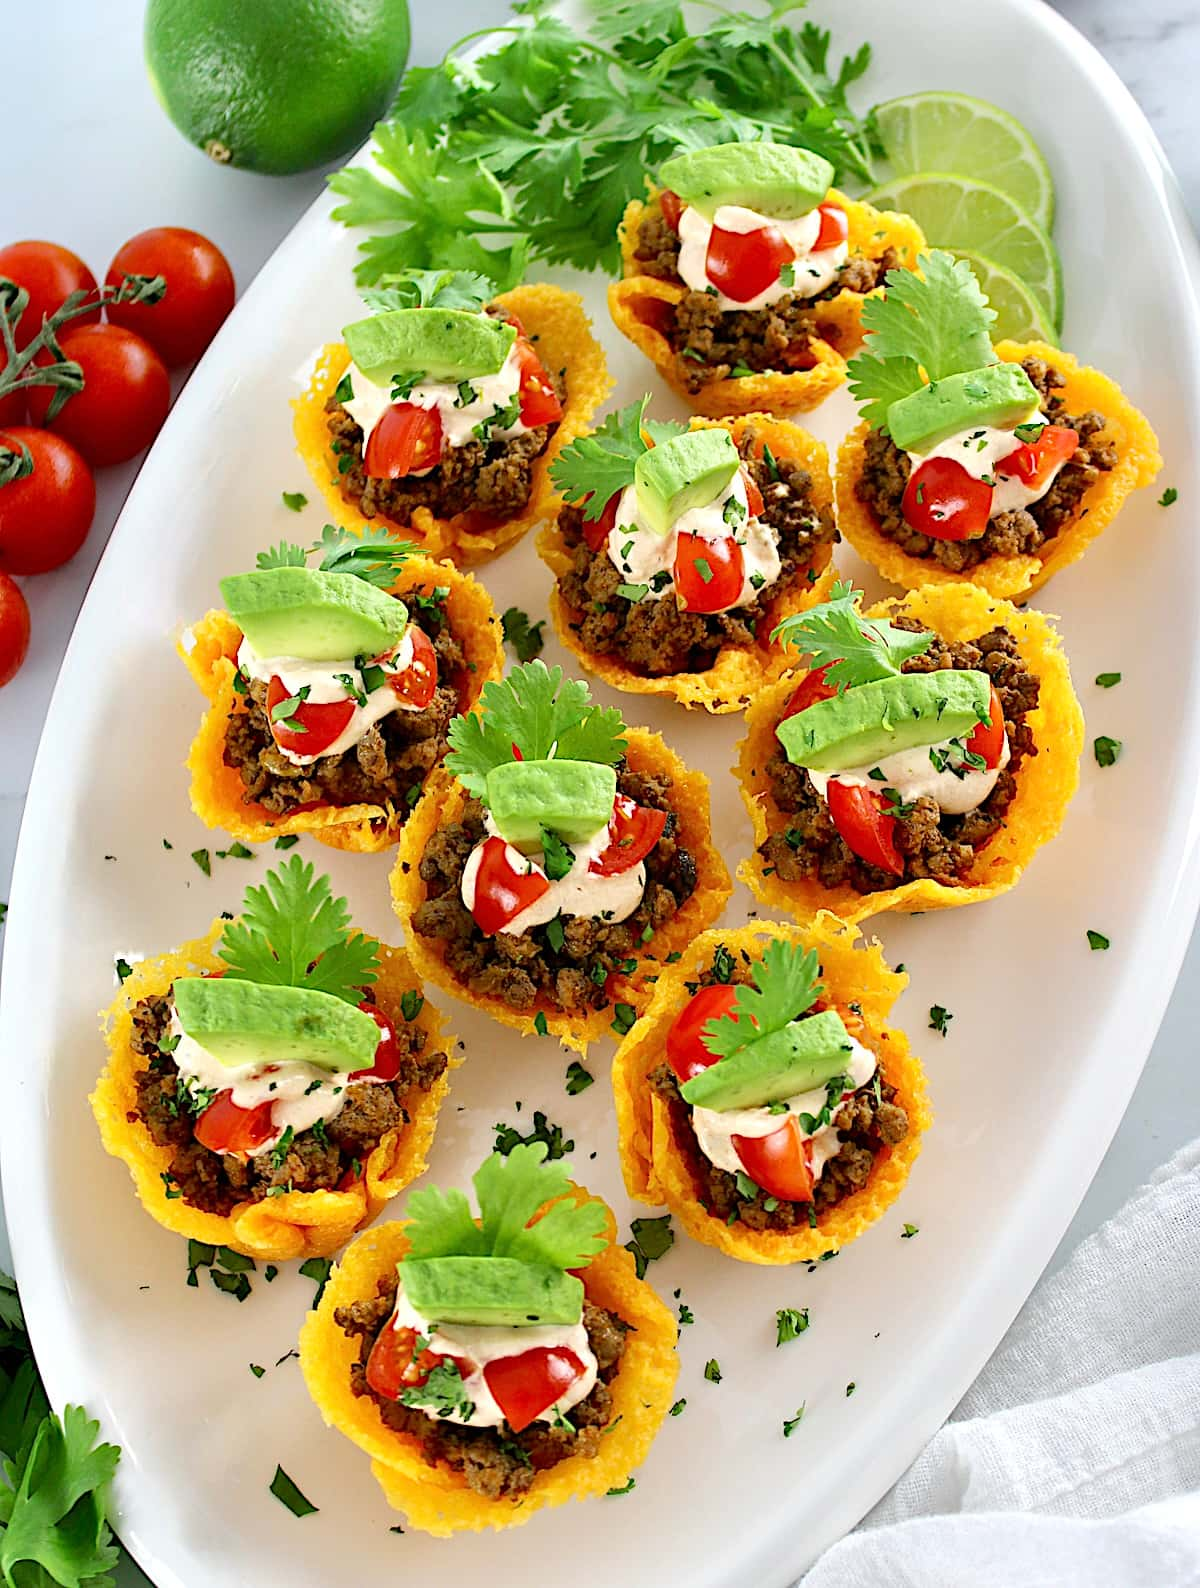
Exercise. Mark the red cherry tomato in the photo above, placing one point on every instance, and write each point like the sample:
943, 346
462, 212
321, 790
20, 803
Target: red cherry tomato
387, 1055
44, 517
417, 684
539, 400
835, 227
754, 501
860, 815
502, 892
596, 530
407, 440
687, 1053
49, 275
125, 397
779, 1163
525, 1385
390, 1366
199, 296
942, 500
1034, 461
320, 723
633, 832
672, 207
14, 629
224, 1127
811, 688
989, 741
743, 264
717, 589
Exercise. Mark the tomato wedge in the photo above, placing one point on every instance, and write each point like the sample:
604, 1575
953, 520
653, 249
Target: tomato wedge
633, 832
779, 1163
387, 1055
224, 1127
319, 724
687, 1053
811, 688
989, 741
743, 264
708, 573
835, 227
754, 501
501, 891
945, 502
391, 1368
672, 207
407, 440
860, 815
539, 400
596, 530
524, 1386
417, 684
1034, 461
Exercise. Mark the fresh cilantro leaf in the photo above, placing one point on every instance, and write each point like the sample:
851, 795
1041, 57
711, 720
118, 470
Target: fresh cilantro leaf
624, 1018
526, 638
790, 1324
1107, 751
785, 985
52, 1526
1096, 940
1107, 680
317, 1269
1169, 497
443, 1392
373, 555
285, 1491
296, 501
649, 1240
557, 1144
204, 860
288, 841
790, 1424
578, 1079
557, 857
853, 649
629, 1484
592, 469
909, 1230
939, 1019
850, 1388
712, 1370
677, 1407
432, 289
286, 555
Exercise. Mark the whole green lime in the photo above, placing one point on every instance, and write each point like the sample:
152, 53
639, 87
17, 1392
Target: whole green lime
276, 85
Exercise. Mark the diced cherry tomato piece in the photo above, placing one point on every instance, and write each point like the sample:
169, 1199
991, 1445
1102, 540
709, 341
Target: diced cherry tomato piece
687, 1052
860, 815
406, 440
835, 227
779, 1163
524, 1386
224, 1127
811, 688
743, 264
1034, 461
633, 832
539, 400
945, 502
672, 207
320, 723
390, 1366
989, 741
417, 684
387, 1055
502, 892
754, 501
717, 589
596, 530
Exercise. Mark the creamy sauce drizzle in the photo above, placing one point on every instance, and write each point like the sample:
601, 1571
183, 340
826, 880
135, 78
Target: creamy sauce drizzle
912, 773
580, 892
812, 271
980, 449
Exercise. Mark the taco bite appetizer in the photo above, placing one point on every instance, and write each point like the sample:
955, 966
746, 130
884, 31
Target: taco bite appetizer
555, 853
998, 465
330, 688
929, 751
683, 547
763, 1097
745, 276
496, 1365
438, 415
273, 1084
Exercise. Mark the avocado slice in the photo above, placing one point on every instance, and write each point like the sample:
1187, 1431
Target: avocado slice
318, 617
878, 719
443, 344
687, 471
491, 1290
572, 798
780, 1064
246, 1022
999, 395
772, 178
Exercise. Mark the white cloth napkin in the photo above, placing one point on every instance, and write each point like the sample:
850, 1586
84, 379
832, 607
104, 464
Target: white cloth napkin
1074, 1459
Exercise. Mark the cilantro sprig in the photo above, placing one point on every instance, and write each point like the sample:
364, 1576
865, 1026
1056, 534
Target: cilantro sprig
592, 469
373, 556
852, 648
431, 289
785, 986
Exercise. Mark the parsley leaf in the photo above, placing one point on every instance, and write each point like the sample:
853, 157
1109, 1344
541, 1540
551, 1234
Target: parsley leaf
853, 649
526, 638
593, 468
785, 985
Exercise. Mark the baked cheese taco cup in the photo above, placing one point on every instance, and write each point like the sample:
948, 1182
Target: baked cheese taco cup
940, 814
1002, 470
542, 887
457, 460
795, 1141
745, 276
276, 1156
460, 1417
676, 592
346, 761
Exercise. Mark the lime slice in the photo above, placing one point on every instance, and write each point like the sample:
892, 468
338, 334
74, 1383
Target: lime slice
953, 132
955, 213
1020, 315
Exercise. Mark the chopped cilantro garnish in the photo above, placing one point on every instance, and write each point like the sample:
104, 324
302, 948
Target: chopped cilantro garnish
624, 1489
850, 1388
1096, 940
909, 1230
1107, 751
285, 1490
526, 638
318, 1270
295, 500
123, 969
649, 1240
594, 468
624, 1018
204, 860
578, 1079
1168, 497
712, 1370
540, 1025
411, 1003
677, 1407
550, 1136
288, 841
790, 1322
1107, 680
557, 857
790, 1424
939, 1019
852, 648
256, 1370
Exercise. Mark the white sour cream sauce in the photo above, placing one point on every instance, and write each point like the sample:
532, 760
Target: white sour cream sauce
912, 773
979, 450
812, 272
650, 555
321, 681
371, 401
580, 892
482, 1344
715, 1129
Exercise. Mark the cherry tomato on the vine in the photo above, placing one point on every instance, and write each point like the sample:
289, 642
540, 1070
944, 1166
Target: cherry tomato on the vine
125, 397
200, 291
14, 628
49, 274
44, 515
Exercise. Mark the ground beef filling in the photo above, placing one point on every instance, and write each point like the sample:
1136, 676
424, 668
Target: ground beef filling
658, 637
521, 969
496, 1462
1021, 532
930, 843
314, 1160
867, 1122
387, 765
711, 343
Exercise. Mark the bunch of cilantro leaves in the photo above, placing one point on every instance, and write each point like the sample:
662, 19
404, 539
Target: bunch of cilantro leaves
531, 148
